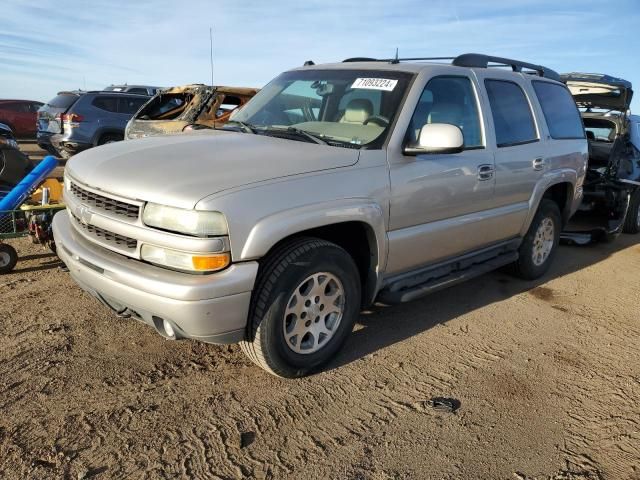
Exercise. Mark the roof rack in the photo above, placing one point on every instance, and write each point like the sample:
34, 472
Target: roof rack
473, 60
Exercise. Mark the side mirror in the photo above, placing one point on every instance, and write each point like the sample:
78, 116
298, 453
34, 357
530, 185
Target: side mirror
437, 138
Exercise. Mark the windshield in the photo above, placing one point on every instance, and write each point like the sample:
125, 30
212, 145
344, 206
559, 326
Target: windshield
338, 107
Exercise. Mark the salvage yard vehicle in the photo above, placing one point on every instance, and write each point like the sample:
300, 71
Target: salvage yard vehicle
139, 89
20, 116
336, 185
76, 121
14, 164
187, 107
611, 202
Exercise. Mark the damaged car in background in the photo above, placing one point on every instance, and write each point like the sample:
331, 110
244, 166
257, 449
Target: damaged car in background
188, 107
611, 202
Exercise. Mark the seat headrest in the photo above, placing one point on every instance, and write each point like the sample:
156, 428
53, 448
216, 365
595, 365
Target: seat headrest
358, 111
591, 135
446, 113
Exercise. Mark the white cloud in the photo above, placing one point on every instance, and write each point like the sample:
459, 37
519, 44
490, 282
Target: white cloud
66, 44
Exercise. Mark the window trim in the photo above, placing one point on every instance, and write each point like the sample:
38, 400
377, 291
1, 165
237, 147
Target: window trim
479, 112
584, 133
534, 121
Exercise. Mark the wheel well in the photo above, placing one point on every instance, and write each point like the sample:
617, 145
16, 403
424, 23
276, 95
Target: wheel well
359, 240
108, 133
561, 194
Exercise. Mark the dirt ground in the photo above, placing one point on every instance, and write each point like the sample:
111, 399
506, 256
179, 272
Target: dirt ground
547, 374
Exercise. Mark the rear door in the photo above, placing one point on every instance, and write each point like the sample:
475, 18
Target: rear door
520, 155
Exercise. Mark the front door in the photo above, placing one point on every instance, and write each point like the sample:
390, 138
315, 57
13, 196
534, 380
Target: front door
438, 201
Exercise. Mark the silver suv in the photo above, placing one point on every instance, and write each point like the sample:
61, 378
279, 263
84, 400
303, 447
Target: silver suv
336, 185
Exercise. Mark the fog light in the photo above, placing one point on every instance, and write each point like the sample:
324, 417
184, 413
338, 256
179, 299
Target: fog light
168, 329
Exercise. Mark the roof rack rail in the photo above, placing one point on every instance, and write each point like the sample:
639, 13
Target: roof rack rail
478, 60
393, 60
471, 60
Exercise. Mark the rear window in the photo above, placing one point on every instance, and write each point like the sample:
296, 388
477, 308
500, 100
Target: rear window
511, 113
560, 111
64, 100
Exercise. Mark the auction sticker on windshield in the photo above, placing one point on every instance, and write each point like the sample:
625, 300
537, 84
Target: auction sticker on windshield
385, 84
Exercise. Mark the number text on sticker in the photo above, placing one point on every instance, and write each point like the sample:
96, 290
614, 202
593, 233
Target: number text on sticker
385, 84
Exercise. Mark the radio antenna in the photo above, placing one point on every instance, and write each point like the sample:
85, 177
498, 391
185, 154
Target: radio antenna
211, 52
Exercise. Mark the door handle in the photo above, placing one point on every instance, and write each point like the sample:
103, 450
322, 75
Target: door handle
485, 172
538, 163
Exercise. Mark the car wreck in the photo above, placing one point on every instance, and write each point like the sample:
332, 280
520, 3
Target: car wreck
611, 201
176, 109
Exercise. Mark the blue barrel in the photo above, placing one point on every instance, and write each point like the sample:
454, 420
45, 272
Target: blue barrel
18, 194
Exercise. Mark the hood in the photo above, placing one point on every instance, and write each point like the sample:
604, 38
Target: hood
180, 170
595, 90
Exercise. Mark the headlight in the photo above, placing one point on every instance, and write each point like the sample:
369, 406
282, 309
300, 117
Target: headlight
188, 262
192, 222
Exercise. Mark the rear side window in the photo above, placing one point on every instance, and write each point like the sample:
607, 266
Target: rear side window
131, 105
560, 111
511, 113
63, 101
109, 104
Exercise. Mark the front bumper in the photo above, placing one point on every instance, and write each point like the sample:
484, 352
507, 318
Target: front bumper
211, 308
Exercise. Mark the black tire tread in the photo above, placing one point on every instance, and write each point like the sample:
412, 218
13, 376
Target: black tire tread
520, 269
14, 258
274, 266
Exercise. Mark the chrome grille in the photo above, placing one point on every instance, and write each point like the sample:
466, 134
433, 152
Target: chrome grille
106, 204
115, 239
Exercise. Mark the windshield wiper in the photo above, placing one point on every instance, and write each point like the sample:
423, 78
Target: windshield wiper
246, 127
297, 131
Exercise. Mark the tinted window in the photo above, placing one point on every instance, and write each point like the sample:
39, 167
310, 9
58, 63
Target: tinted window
560, 111
110, 104
511, 113
63, 100
448, 100
131, 105
142, 91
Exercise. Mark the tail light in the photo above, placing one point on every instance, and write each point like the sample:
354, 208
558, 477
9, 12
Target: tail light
71, 117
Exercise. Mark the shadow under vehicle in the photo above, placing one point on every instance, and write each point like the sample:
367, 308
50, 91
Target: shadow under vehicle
611, 202
185, 108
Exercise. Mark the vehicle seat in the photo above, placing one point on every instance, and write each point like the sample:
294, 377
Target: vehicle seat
358, 111
591, 135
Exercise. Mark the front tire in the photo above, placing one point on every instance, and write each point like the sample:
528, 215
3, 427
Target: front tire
540, 244
306, 300
632, 221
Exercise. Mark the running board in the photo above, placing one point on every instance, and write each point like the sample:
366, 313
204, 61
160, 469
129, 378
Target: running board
437, 279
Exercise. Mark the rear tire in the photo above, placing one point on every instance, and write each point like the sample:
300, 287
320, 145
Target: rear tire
110, 138
540, 244
632, 221
8, 258
305, 302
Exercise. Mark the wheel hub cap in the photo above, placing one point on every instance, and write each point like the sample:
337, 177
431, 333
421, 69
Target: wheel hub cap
543, 241
4, 259
314, 312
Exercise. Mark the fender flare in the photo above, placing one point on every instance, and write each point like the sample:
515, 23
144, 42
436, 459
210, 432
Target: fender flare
548, 180
270, 230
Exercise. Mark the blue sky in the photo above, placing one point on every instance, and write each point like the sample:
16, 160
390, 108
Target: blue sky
48, 45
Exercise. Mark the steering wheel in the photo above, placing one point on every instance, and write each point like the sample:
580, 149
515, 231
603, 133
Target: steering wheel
378, 119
